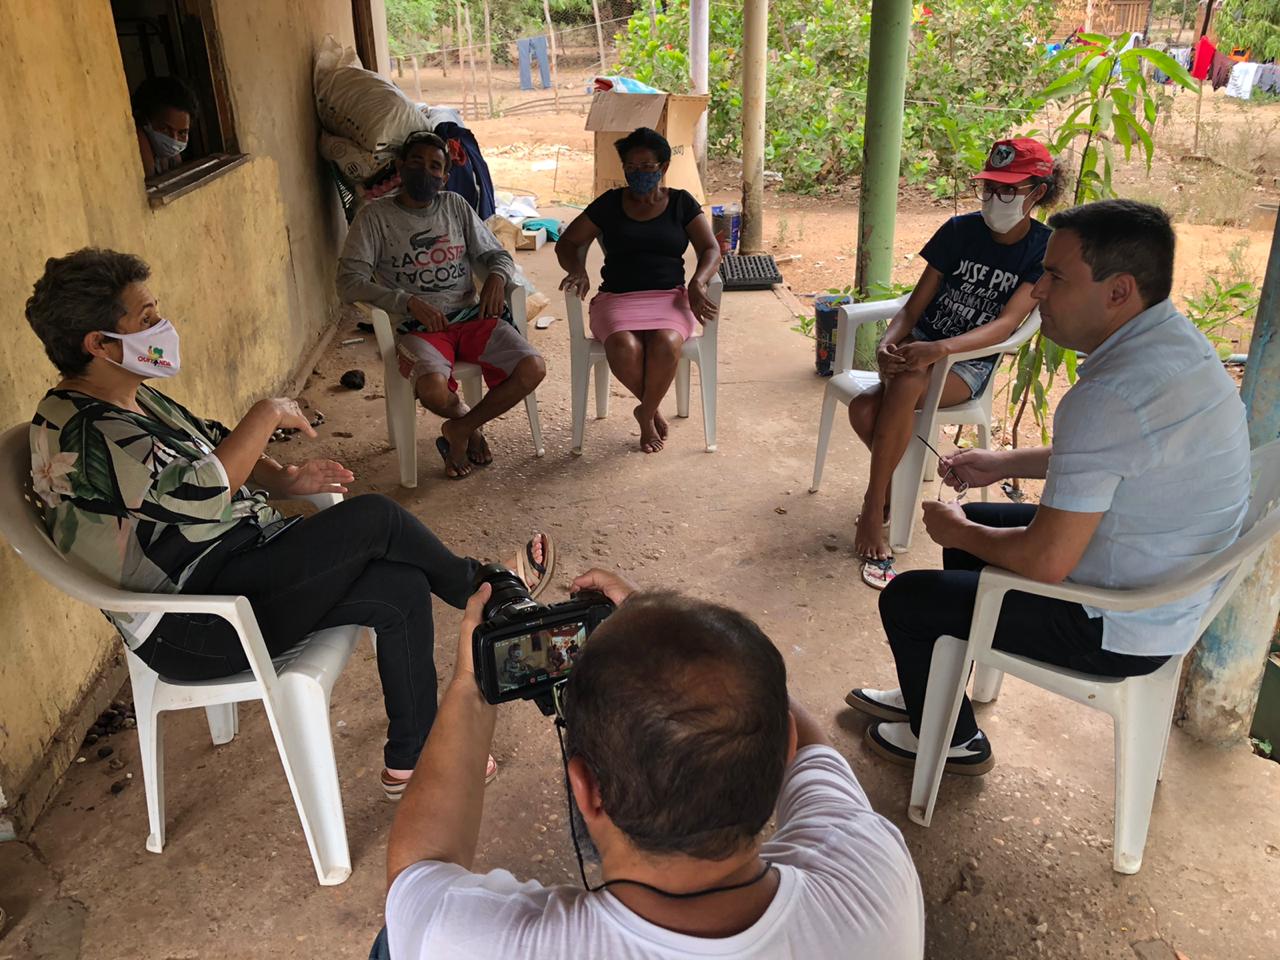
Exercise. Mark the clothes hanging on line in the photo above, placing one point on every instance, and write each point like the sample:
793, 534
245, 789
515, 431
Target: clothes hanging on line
1240, 84
1181, 56
1220, 70
1268, 78
1203, 60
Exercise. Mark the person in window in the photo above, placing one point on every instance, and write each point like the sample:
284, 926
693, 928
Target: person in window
163, 109
643, 313
975, 291
416, 256
156, 499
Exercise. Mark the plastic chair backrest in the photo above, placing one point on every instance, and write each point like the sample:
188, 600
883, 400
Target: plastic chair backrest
1261, 524
22, 523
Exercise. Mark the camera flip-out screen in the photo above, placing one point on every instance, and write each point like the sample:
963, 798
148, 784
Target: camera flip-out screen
533, 658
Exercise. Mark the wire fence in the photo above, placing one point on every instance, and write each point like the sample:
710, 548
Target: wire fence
485, 66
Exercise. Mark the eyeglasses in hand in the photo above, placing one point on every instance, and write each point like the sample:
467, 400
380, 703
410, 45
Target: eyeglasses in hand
961, 486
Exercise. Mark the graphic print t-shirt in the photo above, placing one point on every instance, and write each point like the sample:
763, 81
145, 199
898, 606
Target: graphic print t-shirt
978, 274
424, 253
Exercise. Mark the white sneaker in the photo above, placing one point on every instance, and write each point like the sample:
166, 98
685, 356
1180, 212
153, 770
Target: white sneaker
897, 744
881, 704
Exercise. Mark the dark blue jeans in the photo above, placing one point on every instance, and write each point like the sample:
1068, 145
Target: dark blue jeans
365, 561
380, 950
919, 606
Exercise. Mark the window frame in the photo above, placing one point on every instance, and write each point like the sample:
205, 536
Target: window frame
205, 70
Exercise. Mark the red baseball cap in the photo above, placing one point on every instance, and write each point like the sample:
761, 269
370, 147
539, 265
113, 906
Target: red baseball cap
1012, 161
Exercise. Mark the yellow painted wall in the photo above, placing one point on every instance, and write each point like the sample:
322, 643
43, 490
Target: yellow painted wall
243, 266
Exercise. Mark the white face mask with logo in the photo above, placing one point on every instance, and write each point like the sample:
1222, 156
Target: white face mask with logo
152, 352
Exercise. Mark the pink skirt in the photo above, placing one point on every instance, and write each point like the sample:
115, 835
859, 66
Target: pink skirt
642, 310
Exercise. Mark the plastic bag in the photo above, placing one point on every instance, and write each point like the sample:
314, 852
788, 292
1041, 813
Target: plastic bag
360, 105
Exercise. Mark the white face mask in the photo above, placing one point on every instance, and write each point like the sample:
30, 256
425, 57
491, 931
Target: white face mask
1002, 217
162, 144
152, 352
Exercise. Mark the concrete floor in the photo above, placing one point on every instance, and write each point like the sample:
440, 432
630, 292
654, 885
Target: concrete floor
1016, 864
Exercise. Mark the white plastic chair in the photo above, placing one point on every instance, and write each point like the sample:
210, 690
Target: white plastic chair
587, 354
845, 384
294, 690
402, 404
1141, 708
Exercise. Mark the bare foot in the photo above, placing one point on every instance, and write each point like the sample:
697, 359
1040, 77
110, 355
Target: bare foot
869, 540
458, 438
539, 551
478, 451
650, 439
660, 424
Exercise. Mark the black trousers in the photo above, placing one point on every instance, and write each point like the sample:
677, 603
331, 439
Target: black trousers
919, 606
365, 561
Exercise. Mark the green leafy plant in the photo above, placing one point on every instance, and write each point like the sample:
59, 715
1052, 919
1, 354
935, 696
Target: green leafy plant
1108, 107
1219, 304
1107, 102
804, 325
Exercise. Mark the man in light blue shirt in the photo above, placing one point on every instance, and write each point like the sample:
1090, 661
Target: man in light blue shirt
1148, 476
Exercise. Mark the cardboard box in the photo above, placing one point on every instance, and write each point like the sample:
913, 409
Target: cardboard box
507, 233
614, 115
531, 239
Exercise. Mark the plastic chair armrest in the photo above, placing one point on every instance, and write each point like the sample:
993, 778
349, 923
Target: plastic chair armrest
1144, 598
1026, 330
854, 315
119, 601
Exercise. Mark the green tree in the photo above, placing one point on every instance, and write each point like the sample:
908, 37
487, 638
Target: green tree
974, 69
1108, 107
1251, 24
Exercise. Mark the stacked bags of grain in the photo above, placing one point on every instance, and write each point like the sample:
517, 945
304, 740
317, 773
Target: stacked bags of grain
364, 116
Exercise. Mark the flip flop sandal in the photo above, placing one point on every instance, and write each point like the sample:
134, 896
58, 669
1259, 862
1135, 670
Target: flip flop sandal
442, 445
529, 567
878, 574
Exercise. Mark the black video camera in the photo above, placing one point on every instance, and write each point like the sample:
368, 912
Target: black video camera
523, 648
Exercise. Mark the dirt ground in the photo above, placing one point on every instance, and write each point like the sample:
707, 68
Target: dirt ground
1016, 864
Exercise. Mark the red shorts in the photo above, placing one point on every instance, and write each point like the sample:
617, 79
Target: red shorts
495, 345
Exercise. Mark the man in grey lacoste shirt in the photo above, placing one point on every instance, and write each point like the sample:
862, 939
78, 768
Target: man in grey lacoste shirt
415, 256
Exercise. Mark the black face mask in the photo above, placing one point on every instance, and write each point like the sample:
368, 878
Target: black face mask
419, 184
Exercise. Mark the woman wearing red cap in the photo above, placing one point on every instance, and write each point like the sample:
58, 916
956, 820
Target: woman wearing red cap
974, 293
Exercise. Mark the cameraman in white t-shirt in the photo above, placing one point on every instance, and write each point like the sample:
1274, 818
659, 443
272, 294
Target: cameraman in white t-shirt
681, 743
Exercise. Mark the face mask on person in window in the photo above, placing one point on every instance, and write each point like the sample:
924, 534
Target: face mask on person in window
643, 181
420, 184
163, 145
152, 352
1002, 217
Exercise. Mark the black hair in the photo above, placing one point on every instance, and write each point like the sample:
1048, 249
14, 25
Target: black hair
679, 708
1055, 182
79, 294
420, 137
1124, 236
644, 138
156, 93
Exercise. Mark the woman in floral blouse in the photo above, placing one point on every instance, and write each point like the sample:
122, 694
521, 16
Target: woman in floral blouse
156, 499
